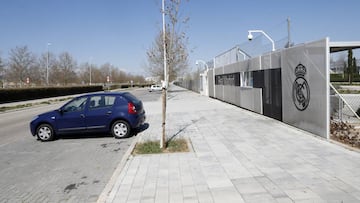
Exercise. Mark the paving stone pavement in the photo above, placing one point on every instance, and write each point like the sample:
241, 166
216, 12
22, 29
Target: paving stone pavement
237, 156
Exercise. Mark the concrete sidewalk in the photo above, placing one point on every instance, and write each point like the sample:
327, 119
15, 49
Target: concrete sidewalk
238, 156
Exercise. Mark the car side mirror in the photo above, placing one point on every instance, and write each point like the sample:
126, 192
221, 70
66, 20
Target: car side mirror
61, 111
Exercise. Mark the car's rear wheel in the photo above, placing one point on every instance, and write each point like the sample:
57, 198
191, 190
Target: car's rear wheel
45, 132
120, 129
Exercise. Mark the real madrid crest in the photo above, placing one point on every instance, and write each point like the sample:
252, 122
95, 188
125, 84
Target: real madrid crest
301, 90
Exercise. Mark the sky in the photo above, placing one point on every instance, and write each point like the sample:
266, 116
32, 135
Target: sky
120, 32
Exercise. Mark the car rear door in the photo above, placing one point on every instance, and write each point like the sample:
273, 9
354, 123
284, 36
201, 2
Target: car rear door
72, 118
99, 113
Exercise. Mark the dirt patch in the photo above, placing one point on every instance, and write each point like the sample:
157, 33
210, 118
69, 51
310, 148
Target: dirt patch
153, 147
345, 133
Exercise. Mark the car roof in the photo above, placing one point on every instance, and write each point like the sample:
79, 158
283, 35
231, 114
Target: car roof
106, 94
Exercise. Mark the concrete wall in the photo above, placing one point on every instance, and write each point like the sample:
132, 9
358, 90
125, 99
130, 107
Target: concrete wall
304, 85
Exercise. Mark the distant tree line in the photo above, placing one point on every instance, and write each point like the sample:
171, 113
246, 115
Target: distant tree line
24, 68
345, 70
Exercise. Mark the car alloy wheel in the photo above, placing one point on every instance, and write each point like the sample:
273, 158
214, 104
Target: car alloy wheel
120, 129
45, 132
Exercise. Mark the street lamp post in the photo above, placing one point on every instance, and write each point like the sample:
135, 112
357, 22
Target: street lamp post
203, 62
47, 63
203, 78
90, 75
90, 71
250, 36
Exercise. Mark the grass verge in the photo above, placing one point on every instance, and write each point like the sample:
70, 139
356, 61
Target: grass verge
153, 147
8, 108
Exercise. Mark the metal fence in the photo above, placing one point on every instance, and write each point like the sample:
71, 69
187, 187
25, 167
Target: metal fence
258, 46
344, 107
192, 82
230, 56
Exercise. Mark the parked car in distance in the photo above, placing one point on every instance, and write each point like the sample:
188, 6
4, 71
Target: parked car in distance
115, 113
155, 88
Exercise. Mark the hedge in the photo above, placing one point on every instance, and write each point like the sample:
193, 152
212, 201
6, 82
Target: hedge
23, 94
345, 78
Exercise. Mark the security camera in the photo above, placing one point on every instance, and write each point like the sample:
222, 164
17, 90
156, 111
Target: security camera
250, 37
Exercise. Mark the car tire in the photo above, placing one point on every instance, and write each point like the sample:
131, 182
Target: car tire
120, 129
45, 132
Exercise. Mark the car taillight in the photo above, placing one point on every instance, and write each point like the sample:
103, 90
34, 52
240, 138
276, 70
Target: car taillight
131, 108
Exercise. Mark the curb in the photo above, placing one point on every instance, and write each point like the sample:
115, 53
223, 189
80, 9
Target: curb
109, 186
350, 148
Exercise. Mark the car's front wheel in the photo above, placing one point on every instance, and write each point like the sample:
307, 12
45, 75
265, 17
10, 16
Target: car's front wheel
120, 129
45, 132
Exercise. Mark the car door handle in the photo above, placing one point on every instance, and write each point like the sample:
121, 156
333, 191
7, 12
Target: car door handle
108, 113
82, 115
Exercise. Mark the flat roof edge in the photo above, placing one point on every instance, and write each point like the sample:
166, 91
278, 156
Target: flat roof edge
343, 46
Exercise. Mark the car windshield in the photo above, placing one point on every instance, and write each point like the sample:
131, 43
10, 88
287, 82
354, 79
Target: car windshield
77, 104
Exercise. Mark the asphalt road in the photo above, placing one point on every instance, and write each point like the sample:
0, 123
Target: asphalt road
69, 169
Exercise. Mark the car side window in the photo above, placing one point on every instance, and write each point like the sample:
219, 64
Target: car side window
101, 101
77, 104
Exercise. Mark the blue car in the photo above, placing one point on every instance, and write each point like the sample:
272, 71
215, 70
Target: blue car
115, 113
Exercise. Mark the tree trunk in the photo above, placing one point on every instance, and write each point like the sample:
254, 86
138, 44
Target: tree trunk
163, 137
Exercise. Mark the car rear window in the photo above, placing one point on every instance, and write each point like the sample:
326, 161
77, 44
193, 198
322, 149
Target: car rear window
131, 97
101, 101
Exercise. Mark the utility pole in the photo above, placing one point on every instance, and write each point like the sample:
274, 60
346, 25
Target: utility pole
47, 63
90, 70
288, 27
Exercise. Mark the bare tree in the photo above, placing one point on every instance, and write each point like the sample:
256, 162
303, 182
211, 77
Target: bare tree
56, 74
53, 62
99, 75
138, 79
168, 55
67, 67
34, 74
46, 61
62, 69
106, 71
20, 62
2, 64
119, 76
176, 45
85, 72
2, 72
42, 63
